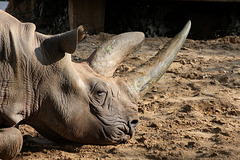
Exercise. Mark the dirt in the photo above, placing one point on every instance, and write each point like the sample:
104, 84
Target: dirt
193, 112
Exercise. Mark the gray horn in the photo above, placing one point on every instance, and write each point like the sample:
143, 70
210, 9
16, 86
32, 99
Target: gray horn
111, 53
145, 76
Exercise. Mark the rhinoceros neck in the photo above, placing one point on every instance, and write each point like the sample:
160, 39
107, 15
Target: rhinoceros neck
20, 72
19, 89
26, 69
22, 91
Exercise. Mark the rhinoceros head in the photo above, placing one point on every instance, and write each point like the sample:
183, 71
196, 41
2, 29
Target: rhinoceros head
100, 109
81, 102
105, 111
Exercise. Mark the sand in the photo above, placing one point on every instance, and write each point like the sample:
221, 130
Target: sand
193, 112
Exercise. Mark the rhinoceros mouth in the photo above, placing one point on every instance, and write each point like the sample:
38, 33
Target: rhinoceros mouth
118, 132
125, 130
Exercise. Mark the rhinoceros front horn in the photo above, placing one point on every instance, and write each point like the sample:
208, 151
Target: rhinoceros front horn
145, 76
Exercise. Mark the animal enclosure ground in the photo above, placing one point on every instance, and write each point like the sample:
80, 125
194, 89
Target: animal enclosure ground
192, 113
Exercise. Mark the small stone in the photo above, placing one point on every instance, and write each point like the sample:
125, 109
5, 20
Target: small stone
216, 130
191, 144
187, 108
218, 121
45, 151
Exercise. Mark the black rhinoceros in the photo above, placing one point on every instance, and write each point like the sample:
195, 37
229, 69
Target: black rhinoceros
67, 101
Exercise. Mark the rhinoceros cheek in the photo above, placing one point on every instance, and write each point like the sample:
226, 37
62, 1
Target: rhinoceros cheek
87, 131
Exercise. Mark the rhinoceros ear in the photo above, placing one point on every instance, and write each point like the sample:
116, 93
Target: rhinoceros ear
67, 41
53, 48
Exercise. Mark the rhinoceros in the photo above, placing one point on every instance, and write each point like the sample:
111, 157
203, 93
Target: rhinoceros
72, 102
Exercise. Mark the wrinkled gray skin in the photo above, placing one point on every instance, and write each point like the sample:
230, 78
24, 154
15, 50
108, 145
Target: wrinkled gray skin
66, 101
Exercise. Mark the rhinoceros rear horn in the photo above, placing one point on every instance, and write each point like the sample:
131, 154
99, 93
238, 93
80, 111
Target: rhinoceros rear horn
145, 76
111, 53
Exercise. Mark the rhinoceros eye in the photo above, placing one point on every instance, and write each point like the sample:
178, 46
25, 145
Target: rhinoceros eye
99, 93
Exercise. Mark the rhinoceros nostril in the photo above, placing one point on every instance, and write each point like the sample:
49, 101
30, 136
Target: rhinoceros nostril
133, 125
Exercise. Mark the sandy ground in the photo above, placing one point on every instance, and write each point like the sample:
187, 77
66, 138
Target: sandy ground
193, 112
